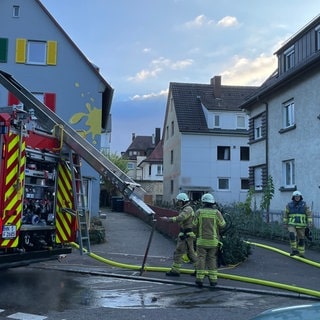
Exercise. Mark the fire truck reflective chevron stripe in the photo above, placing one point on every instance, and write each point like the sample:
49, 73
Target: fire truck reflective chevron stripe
13, 166
66, 223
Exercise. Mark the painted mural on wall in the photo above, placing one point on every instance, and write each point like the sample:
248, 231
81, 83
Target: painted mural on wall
92, 118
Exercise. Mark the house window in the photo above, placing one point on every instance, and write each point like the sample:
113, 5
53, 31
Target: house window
288, 173
223, 153
49, 99
171, 186
159, 170
171, 157
36, 52
241, 122
16, 11
258, 178
167, 132
288, 114
223, 183
317, 37
244, 153
130, 165
216, 120
172, 128
257, 125
289, 58
244, 184
150, 171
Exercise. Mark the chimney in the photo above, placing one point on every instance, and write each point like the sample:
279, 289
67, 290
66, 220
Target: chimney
157, 135
216, 83
133, 136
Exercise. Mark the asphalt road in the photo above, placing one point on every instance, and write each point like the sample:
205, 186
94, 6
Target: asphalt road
81, 287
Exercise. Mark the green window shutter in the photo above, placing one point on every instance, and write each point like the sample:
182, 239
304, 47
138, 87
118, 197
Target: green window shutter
52, 53
21, 45
3, 50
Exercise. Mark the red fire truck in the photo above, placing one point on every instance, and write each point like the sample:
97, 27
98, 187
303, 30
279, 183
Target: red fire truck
42, 205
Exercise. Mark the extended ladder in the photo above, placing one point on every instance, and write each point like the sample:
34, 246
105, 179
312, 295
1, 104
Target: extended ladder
80, 203
79, 145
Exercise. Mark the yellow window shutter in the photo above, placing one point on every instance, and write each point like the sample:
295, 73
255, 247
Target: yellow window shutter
52, 53
21, 45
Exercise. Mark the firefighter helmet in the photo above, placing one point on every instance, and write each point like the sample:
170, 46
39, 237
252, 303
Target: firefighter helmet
208, 198
296, 194
183, 197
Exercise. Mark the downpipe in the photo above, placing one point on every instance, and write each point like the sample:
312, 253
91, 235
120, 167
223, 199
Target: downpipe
299, 290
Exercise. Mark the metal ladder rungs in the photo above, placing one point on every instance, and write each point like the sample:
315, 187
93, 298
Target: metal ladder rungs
81, 208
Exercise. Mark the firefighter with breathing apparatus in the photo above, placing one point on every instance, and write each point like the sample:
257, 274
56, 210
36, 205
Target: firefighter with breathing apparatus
186, 237
297, 217
207, 222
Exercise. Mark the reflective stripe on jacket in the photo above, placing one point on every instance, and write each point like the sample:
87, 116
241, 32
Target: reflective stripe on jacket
207, 222
297, 214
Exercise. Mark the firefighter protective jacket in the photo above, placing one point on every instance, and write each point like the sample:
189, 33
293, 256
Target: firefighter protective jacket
207, 222
297, 214
184, 219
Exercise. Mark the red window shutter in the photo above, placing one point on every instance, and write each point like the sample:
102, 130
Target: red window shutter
12, 100
50, 101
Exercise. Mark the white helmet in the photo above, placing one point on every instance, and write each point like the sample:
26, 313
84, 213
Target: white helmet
208, 198
183, 197
296, 193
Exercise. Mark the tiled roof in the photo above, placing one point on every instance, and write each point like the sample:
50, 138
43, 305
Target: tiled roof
188, 100
141, 143
156, 155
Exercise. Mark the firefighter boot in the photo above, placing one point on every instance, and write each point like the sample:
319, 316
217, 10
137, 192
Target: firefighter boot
173, 273
199, 283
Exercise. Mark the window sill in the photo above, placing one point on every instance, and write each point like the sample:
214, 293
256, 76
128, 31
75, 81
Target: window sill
284, 189
287, 129
256, 140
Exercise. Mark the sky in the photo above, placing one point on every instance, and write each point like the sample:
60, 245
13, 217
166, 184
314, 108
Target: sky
140, 46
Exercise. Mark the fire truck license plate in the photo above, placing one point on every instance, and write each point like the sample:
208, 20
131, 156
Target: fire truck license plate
9, 232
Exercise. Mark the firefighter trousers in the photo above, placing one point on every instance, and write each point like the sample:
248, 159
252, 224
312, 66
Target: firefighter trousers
296, 236
207, 261
184, 246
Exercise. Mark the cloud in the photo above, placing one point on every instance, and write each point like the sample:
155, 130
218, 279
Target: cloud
250, 72
199, 22
203, 21
150, 95
182, 64
228, 21
157, 66
145, 74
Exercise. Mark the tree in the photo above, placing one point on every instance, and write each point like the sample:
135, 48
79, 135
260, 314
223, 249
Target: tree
268, 193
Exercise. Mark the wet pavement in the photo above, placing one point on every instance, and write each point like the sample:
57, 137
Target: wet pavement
119, 287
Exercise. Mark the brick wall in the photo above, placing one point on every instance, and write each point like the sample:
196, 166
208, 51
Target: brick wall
167, 228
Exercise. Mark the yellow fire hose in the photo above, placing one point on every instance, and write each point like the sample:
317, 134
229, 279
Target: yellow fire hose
300, 290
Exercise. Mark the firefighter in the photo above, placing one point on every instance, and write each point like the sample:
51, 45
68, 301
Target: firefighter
207, 222
186, 237
297, 217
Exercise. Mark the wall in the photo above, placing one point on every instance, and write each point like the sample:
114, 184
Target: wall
167, 228
300, 144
